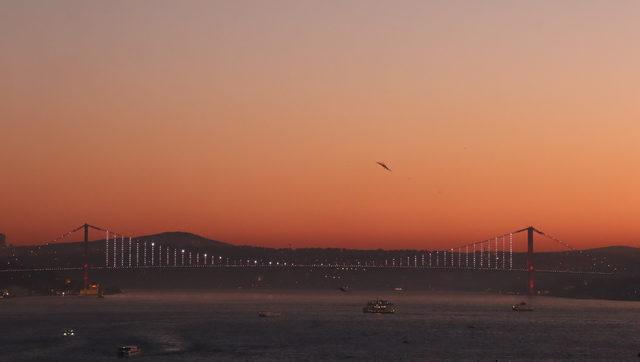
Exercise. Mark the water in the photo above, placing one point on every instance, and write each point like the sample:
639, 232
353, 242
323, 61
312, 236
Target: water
324, 325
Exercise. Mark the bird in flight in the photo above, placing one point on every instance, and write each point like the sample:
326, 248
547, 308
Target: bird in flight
383, 165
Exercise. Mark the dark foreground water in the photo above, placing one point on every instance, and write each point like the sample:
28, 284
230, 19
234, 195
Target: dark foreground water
317, 326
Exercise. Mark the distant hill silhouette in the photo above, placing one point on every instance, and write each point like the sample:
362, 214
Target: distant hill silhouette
182, 239
617, 249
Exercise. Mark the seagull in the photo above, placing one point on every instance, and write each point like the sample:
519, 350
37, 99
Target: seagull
383, 165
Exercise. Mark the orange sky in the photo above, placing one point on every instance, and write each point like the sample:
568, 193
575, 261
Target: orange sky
261, 122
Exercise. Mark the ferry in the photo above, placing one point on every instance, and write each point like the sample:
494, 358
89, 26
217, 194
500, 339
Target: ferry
521, 307
129, 351
379, 306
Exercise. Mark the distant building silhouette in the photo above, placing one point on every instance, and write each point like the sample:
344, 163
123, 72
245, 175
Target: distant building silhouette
3, 241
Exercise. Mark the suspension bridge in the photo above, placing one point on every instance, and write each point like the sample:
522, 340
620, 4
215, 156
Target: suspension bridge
499, 253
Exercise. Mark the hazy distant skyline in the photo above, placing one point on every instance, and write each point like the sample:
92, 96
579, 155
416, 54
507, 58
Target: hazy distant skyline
262, 122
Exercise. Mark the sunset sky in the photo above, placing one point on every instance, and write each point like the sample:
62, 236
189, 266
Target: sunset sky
260, 122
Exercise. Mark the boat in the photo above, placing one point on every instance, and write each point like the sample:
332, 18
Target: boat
521, 307
398, 289
379, 306
267, 314
69, 332
129, 351
345, 288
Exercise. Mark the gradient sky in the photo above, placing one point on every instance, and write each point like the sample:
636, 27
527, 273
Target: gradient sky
260, 122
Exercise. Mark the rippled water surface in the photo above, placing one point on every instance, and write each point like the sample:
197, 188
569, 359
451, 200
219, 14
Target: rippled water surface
323, 325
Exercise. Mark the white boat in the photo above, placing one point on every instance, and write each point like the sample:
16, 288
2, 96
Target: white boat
129, 351
521, 307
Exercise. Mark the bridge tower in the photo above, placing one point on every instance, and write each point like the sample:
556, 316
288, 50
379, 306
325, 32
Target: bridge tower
85, 264
531, 284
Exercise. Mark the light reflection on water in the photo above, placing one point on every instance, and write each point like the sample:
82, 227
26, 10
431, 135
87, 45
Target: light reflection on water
323, 325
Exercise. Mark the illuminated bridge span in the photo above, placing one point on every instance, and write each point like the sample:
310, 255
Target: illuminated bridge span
503, 252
